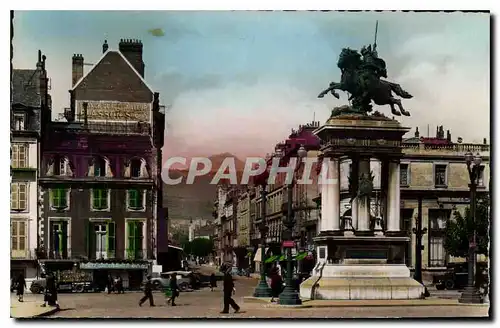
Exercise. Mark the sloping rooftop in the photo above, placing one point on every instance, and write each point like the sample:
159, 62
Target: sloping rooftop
26, 87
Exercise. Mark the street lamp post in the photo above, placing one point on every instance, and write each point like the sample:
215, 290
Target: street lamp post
471, 294
262, 289
290, 296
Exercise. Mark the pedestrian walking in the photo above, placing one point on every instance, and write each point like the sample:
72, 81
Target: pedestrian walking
229, 290
110, 284
213, 282
276, 284
174, 289
20, 285
119, 285
148, 293
50, 296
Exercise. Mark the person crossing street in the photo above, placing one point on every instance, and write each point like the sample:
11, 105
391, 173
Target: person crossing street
228, 292
148, 293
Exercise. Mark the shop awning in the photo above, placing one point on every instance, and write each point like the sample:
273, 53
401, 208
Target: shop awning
272, 259
114, 266
301, 256
258, 255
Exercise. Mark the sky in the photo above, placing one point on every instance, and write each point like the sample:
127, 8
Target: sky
238, 82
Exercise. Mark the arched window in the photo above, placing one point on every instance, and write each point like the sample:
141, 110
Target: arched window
99, 167
59, 165
136, 168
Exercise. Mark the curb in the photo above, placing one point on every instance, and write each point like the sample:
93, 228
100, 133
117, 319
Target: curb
358, 303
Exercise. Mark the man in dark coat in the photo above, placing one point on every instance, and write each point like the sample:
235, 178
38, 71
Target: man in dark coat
174, 289
228, 293
213, 282
20, 285
148, 293
110, 284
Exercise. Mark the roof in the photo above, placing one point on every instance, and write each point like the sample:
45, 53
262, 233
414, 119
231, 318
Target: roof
26, 87
99, 61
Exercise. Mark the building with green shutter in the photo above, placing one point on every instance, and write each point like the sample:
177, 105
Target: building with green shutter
101, 188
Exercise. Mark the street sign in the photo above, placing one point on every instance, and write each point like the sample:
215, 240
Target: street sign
288, 243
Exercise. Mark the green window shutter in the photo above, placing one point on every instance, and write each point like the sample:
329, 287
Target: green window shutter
138, 239
92, 238
64, 239
63, 197
131, 238
53, 242
111, 240
140, 195
104, 198
52, 196
95, 203
86, 224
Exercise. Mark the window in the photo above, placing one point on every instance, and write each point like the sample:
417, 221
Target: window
480, 178
404, 175
59, 239
18, 238
59, 198
61, 166
19, 122
19, 157
18, 196
437, 224
134, 239
135, 199
99, 167
135, 168
440, 179
100, 199
101, 240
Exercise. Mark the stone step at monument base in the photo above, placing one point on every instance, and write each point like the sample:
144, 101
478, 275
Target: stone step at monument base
362, 282
363, 289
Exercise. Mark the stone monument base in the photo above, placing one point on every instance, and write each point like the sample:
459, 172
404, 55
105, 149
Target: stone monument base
361, 282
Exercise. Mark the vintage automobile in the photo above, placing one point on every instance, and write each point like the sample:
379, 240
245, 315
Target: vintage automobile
160, 281
67, 281
456, 277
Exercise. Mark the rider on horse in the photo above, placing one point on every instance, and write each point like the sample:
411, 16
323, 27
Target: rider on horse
372, 68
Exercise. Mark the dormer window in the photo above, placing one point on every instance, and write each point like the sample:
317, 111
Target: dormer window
99, 167
19, 122
59, 166
136, 168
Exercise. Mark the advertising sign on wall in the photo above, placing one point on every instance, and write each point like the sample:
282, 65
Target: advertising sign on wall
114, 111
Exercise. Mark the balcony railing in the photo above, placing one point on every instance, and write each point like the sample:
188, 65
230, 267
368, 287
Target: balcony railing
459, 148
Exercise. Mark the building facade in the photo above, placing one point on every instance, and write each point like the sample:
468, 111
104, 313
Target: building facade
30, 106
99, 176
433, 167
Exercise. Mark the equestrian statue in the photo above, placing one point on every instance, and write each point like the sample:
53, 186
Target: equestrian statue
362, 75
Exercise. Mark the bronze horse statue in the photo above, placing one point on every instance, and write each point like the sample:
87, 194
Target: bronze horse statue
363, 82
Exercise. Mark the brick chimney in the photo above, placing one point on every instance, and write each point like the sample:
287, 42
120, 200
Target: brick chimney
132, 50
417, 134
77, 68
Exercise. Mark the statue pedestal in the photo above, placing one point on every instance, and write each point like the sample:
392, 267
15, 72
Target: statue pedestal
364, 261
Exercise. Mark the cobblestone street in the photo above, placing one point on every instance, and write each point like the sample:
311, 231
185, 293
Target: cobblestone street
204, 303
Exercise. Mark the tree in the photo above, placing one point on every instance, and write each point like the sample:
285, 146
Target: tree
459, 230
201, 247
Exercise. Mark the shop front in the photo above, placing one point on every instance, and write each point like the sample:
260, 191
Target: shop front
132, 273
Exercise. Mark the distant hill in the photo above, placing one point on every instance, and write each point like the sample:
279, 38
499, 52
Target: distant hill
196, 200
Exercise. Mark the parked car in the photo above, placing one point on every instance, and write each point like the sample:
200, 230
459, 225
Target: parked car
162, 280
456, 277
